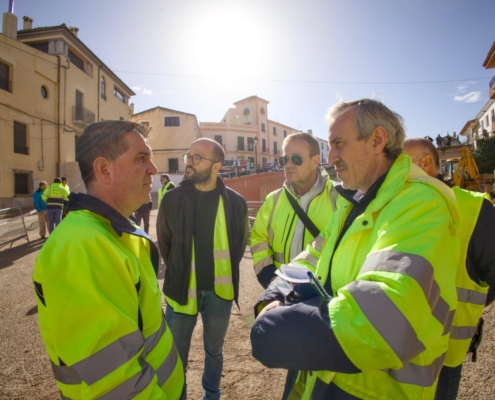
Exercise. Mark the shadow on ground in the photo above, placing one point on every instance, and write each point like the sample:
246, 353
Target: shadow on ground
9, 255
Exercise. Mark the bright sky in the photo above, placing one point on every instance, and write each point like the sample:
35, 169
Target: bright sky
423, 58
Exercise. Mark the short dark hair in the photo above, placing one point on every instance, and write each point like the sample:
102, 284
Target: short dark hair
57, 180
104, 139
64, 178
314, 147
42, 183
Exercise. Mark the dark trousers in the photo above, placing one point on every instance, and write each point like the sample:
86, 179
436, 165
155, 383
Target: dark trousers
146, 217
448, 383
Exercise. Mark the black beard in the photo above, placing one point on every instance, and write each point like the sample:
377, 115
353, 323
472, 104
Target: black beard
199, 177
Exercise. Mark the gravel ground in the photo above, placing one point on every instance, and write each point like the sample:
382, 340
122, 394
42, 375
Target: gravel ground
25, 371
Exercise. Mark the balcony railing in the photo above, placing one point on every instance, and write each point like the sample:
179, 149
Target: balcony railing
5, 84
82, 117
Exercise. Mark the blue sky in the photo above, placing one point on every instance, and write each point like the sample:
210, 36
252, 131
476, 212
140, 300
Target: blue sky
201, 56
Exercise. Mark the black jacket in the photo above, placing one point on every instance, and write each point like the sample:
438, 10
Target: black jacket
174, 228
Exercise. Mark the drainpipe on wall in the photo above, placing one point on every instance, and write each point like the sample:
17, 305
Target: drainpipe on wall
58, 115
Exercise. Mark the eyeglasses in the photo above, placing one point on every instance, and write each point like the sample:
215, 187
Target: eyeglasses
297, 160
196, 159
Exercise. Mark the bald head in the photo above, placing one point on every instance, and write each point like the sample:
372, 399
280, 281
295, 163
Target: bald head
216, 150
423, 154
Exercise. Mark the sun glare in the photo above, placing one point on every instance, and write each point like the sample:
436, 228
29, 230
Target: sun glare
227, 44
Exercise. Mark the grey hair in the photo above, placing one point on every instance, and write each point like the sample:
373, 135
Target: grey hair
370, 114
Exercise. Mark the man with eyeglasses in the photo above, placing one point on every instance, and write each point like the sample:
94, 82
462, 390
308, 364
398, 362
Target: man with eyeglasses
202, 229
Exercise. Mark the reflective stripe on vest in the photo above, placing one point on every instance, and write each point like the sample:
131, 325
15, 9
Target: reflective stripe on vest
224, 287
56, 197
471, 296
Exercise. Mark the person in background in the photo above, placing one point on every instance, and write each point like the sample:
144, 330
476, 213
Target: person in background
100, 310
65, 185
167, 185
475, 278
40, 207
202, 229
143, 213
55, 197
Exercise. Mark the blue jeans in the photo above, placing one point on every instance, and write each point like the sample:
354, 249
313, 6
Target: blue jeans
215, 313
54, 218
448, 383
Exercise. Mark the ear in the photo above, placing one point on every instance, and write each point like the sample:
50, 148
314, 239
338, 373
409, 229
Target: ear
216, 167
426, 163
379, 138
315, 161
103, 170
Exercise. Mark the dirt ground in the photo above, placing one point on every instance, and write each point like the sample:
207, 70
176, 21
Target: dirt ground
25, 371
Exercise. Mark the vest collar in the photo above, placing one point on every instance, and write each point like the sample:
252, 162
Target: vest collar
120, 224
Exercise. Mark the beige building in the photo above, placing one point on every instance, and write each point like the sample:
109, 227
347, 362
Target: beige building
323, 144
172, 132
51, 87
241, 125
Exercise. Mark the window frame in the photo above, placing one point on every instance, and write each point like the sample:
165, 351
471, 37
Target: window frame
103, 88
19, 150
170, 117
9, 76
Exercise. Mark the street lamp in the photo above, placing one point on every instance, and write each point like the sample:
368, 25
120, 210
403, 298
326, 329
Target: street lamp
255, 141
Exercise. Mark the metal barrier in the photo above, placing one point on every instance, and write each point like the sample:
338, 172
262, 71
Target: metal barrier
12, 226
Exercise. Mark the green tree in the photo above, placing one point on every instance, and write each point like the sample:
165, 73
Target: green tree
485, 155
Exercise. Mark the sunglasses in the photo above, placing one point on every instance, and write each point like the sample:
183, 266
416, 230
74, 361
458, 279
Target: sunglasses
296, 160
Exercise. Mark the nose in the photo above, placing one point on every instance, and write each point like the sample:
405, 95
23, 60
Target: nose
333, 158
152, 170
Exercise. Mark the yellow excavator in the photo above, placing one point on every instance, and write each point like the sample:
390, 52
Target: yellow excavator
464, 173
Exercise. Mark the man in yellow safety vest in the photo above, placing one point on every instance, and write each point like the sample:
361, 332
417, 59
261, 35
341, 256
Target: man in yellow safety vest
382, 329
202, 232
475, 279
100, 309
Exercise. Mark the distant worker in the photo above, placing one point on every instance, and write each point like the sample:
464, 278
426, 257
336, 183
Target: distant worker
202, 229
167, 185
476, 274
55, 197
143, 214
40, 206
279, 233
439, 141
383, 260
65, 185
100, 310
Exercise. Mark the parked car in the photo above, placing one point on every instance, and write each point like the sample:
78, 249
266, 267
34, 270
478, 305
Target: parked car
270, 167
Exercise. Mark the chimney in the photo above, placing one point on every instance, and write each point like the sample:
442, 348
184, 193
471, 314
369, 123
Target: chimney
132, 108
9, 27
310, 131
28, 23
74, 30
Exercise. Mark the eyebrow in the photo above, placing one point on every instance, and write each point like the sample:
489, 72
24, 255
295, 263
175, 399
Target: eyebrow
334, 140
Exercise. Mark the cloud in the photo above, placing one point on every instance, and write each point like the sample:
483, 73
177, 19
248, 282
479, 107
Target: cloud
462, 95
471, 97
137, 88
147, 91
